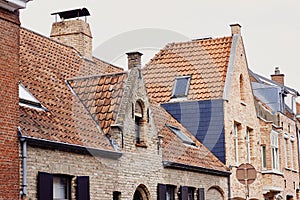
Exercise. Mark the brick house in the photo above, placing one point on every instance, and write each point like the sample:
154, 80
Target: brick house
87, 129
277, 110
9, 76
205, 84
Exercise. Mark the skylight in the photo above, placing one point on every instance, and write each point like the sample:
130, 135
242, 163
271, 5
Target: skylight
181, 86
185, 139
27, 99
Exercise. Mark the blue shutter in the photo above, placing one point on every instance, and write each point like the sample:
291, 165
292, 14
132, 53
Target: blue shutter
83, 188
161, 192
45, 186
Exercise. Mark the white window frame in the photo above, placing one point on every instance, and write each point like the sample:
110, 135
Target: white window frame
274, 150
292, 149
61, 187
236, 143
248, 131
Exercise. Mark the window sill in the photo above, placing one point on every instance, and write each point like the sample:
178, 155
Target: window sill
275, 172
290, 169
142, 144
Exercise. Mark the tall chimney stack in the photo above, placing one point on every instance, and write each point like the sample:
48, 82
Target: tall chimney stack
278, 77
74, 32
134, 59
235, 29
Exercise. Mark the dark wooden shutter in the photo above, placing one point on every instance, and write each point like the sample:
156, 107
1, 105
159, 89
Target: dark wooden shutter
184, 192
201, 194
161, 191
83, 188
45, 186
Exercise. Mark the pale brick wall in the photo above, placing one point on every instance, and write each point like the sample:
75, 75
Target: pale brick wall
242, 111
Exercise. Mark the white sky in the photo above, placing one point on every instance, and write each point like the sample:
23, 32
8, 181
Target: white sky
270, 28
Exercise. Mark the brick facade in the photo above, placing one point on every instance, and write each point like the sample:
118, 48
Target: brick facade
9, 77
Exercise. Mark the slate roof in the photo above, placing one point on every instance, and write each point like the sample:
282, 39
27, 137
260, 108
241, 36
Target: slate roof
174, 150
101, 96
205, 60
45, 65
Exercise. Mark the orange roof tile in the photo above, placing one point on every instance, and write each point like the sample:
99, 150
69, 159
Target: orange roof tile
101, 96
205, 60
174, 150
45, 65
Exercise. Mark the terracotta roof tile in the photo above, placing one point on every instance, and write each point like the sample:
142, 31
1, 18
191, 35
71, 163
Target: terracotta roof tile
44, 67
103, 99
205, 60
174, 150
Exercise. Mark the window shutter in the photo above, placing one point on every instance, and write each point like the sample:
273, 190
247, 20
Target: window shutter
161, 192
83, 188
184, 192
45, 186
201, 194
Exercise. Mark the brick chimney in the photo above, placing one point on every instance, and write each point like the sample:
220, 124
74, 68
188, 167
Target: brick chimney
278, 77
134, 59
235, 29
74, 32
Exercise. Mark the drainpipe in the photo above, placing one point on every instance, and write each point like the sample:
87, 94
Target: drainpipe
229, 188
24, 166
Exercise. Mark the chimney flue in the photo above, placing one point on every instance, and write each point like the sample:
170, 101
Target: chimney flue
235, 29
277, 76
134, 59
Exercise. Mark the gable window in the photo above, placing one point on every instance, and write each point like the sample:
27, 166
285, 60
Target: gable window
140, 121
181, 86
274, 150
242, 89
178, 132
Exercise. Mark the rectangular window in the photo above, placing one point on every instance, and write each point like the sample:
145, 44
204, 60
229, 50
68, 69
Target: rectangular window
292, 139
236, 142
185, 139
191, 193
248, 143
116, 195
61, 187
274, 150
170, 192
181, 86
264, 157
285, 146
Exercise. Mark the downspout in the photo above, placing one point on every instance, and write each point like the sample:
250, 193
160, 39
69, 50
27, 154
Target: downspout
229, 188
24, 166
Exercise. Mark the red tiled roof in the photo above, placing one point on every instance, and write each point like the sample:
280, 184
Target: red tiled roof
101, 96
174, 150
45, 65
205, 60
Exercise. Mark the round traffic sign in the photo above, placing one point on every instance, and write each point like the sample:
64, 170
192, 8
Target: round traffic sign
246, 174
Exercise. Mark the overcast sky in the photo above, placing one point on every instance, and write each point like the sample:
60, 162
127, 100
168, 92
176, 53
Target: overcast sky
270, 28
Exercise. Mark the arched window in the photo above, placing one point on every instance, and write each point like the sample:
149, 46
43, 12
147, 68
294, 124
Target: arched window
140, 121
242, 88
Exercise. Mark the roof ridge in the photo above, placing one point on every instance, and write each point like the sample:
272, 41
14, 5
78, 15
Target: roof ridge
97, 76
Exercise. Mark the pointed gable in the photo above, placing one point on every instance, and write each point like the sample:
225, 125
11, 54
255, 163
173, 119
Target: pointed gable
205, 61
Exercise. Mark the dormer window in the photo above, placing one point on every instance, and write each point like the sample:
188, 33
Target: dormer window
181, 86
27, 99
178, 132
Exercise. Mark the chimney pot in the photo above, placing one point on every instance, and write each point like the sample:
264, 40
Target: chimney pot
235, 29
134, 59
277, 76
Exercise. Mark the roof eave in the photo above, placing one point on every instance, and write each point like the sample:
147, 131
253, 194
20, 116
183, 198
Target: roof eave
175, 165
43, 143
13, 5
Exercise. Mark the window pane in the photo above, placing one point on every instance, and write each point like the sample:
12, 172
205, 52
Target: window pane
264, 159
180, 88
60, 187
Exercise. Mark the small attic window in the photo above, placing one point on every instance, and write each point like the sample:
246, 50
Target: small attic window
27, 99
181, 86
185, 139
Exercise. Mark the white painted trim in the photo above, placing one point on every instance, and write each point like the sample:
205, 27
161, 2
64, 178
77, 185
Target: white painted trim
230, 69
13, 5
